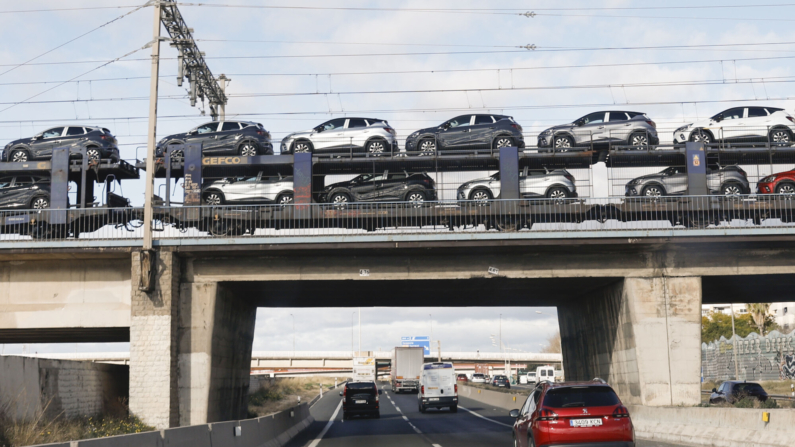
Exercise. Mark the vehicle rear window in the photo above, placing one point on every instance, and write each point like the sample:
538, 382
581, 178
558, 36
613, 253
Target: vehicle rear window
618, 116
586, 396
361, 386
748, 388
75, 131
230, 125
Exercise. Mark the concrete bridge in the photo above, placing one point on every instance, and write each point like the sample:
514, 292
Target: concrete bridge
629, 309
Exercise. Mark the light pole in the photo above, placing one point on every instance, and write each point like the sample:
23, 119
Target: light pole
352, 315
430, 342
734, 354
293, 334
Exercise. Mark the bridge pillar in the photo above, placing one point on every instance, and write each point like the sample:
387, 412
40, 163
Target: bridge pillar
642, 335
190, 349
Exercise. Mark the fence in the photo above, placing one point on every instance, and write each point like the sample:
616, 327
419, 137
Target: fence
771, 357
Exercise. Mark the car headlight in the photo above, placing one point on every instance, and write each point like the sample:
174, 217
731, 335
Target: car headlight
634, 181
414, 135
683, 128
768, 179
545, 133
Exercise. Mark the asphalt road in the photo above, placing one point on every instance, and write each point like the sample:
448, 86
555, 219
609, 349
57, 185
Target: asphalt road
401, 424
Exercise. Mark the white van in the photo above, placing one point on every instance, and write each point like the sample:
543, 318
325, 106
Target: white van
438, 387
545, 374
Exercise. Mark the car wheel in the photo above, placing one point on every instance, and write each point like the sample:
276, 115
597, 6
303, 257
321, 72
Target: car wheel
562, 142
302, 147
699, 136
731, 189
557, 194
93, 154
427, 146
785, 188
781, 137
248, 149
285, 199
376, 147
40, 203
339, 199
213, 198
481, 196
652, 191
639, 140
18, 156
415, 198
500, 142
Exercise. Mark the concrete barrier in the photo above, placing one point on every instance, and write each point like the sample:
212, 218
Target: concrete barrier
507, 401
273, 430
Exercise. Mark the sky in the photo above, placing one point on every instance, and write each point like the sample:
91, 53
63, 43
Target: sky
293, 68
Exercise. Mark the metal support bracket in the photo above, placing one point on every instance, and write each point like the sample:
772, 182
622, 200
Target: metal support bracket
509, 173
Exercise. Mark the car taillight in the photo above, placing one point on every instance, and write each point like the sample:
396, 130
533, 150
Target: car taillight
106, 137
455, 388
517, 127
651, 123
569, 177
422, 389
390, 130
791, 119
621, 412
344, 391
262, 132
548, 415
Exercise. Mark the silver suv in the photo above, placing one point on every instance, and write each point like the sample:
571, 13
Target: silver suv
372, 135
257, 189
615, 127
729, 180
557, 184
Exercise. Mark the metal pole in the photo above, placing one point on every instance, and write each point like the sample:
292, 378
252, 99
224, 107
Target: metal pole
439, 349
293, 334
352, 351
360, 329
151, 135
222, 107
734, 339
431, 340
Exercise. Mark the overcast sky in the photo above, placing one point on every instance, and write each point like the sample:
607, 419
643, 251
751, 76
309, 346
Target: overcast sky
302, 51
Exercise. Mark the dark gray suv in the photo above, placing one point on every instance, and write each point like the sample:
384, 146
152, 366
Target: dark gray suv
98, 143
467, 132
600, 128
24, 192
728, 180
242, 138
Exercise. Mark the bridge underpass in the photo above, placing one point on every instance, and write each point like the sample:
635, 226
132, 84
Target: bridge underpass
629, 312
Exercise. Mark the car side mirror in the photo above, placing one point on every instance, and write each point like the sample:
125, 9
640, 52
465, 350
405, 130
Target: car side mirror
579, 123
514, 414
719, 118
340, 393
714, 390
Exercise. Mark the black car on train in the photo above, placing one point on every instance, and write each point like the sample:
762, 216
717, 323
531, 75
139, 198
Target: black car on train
415, 188
98, 143
24, 192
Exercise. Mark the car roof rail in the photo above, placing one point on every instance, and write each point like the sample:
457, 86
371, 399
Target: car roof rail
598, 380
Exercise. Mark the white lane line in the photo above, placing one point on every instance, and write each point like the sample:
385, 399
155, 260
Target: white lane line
415, 428
484, 417
436, 445
397, 408
328, 425
405, 418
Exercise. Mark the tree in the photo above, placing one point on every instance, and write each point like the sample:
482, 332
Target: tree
553, 343
718, 324
759, 312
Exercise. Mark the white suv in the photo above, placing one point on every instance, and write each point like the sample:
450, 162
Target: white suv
741, 125
371, 135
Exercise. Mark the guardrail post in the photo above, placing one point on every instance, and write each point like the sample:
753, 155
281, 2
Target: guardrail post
696, 156
59, 194
509, 173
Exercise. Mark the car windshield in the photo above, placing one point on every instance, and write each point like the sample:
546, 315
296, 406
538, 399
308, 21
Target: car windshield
581, 396
363, 178
5, 182
459, 121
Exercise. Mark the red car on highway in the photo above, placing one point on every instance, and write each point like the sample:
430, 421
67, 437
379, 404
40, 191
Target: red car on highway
573, 413
780, 183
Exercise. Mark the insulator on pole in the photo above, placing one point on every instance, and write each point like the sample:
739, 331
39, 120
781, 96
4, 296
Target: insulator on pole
180, 70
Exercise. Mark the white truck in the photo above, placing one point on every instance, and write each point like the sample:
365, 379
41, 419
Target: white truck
542, 374
406, 368
363, 369
438, 387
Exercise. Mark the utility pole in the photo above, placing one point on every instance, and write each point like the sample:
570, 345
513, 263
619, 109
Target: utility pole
293, 334
150, 139
431, 340
734, 354
222, 81
353, 353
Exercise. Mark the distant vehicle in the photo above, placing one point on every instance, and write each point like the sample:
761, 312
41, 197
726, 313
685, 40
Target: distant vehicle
98, 143
363, 369
615, 127
581, 413
243, 138
24, 192
779, 183
371, 135
741, 124
467, 132
732, 391
545, 373
501, 381
406, 368
728, 180
478, 378
438, 387
531, 377
557, 184
387, 187
360, 398
256, 189
462, 378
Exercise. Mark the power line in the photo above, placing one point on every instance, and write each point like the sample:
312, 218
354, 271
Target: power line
84, 8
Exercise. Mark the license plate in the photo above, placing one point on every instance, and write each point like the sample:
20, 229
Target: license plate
585, 422
433, 398
360, 401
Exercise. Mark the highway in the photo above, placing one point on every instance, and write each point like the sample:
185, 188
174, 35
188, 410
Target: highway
401, 424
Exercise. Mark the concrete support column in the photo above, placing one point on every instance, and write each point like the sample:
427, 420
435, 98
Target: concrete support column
642, 335
215, 336
153, 348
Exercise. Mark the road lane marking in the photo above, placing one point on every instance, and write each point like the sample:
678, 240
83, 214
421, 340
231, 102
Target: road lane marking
484, 417
328, 425
415, 428
405, 418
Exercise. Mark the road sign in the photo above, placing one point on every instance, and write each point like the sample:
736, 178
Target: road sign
422, 341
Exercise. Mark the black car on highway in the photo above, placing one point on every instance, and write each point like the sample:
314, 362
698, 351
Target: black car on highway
242, 138
415, 188
360, 398
24, 192
501, 381
733, 391
98, 143
467, 132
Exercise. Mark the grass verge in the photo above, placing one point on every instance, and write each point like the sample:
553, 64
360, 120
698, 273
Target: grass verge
282, 393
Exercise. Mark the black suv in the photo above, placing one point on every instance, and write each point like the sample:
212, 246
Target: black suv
467, 132
501, 381
24, 192
360, 398
732, 391
98, 142
242, 138
387, 187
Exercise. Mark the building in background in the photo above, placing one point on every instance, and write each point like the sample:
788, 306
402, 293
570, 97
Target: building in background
782, 313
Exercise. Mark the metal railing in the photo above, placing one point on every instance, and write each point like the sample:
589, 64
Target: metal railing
528, 216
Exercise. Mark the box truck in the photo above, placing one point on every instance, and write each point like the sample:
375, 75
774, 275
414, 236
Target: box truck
406, 368
363, 369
